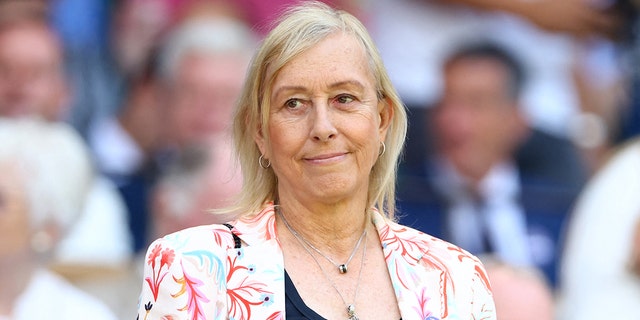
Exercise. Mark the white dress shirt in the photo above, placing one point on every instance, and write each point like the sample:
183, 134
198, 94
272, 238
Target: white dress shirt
499, 216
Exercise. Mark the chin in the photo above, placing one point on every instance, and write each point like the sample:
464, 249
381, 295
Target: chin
335, 191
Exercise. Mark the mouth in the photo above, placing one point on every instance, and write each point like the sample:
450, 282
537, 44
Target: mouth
326, 158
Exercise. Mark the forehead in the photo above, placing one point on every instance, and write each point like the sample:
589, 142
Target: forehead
29, 43
217, 64
339, 55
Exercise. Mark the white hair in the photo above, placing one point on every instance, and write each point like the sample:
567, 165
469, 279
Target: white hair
53, 164
205, 36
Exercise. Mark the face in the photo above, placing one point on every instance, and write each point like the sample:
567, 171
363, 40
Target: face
477, 123
31, 78
138, 26
203, 96
326, 123
14, 217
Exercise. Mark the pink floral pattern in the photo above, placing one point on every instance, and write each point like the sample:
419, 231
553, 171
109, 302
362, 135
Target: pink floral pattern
244, 292
166, 257
195, 297
210, 279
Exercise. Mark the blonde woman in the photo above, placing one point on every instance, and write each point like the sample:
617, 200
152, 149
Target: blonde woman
318, 131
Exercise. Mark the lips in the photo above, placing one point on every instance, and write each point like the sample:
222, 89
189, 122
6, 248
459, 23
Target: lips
326, 157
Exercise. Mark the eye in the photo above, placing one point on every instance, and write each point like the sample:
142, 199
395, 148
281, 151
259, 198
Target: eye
293, 104
344, 99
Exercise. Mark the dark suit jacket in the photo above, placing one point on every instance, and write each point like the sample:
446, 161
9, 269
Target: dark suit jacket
551, 173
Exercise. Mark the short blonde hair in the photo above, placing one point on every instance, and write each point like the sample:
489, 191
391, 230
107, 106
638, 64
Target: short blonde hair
300, 28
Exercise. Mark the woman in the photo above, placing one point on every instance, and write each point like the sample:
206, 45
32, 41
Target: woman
318, 130
45, 172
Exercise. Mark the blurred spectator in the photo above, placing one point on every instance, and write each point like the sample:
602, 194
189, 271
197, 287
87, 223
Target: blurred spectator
32, 84
137, 27
202, 71
600, 259
520, 293
489, 183
543, 34
175, 112
39, 203
32, 79
202, 67
125, 146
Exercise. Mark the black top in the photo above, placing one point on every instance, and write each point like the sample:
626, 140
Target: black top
295, 308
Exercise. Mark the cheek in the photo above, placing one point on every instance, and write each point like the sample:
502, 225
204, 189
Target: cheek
365, 135
14, 227
286, 137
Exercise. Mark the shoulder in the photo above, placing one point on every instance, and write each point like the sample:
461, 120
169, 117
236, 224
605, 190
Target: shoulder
431, 251
214, 237
185, 268
187, 274
444, 250
250, 228
437, 268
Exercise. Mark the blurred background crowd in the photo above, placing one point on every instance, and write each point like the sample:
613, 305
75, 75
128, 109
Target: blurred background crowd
522, 149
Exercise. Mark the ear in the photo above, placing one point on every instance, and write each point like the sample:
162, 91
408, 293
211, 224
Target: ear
261, 141
45, 238
386, 113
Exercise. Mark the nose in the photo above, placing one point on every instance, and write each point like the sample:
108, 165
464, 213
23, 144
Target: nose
454, 120
322, 123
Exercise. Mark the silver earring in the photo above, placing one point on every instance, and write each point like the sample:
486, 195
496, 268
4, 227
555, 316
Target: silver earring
384, 148
261, 162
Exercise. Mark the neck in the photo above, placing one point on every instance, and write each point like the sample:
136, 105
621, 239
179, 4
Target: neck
475, 177
331, 228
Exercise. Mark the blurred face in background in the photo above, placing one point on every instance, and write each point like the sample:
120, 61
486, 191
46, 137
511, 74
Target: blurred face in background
138, 27
31, 76
477, 122
203, 95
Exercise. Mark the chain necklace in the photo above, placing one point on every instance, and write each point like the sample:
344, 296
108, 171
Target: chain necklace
342, 267
351, 308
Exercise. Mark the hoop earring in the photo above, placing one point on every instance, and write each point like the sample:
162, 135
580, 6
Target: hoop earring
261, 161
384, 148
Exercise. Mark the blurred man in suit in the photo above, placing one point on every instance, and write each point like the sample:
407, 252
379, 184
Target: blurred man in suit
481, 177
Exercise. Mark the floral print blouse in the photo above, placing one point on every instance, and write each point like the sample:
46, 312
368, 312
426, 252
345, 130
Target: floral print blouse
200, 273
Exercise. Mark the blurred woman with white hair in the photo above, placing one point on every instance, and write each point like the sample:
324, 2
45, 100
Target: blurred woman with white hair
46, 173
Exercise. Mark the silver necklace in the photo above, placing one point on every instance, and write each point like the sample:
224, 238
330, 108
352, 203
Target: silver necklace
351, 308
342, 267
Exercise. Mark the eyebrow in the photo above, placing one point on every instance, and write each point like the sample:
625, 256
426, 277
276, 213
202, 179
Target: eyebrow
334, 85
354, 83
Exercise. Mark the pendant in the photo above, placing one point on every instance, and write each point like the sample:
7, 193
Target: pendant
351, 311
342, 268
